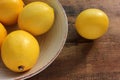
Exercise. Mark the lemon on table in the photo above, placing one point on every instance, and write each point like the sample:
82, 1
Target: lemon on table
9, 10
36, 18
3, 33
20, 51
92, 23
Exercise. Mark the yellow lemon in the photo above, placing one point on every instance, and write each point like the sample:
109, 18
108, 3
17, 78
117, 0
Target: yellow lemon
9, 11
20, 51
92, 23
3, 33
36, 18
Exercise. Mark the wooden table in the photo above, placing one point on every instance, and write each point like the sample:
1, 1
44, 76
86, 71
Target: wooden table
83, 59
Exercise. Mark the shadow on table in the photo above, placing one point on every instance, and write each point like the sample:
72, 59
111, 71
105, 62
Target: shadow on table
71, 59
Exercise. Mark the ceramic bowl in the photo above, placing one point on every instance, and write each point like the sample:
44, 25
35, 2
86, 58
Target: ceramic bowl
51, 44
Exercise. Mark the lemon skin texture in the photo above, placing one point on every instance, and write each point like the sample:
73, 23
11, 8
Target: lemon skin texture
3, 33
20, 51
36, 18
9, 11
92, 23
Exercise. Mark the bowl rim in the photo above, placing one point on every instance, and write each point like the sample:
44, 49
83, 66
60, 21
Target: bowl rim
58, 52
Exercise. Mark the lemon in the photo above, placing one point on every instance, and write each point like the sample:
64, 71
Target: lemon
36, 18
9, 11
3, 33
92, 23
20, 51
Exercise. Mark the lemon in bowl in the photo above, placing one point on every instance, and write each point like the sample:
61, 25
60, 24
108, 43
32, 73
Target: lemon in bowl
20, 51
36, 18
50, 43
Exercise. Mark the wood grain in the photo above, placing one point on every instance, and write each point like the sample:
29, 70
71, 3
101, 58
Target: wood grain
83, 59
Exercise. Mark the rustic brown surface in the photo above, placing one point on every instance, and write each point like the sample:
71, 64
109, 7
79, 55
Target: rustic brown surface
83, 59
